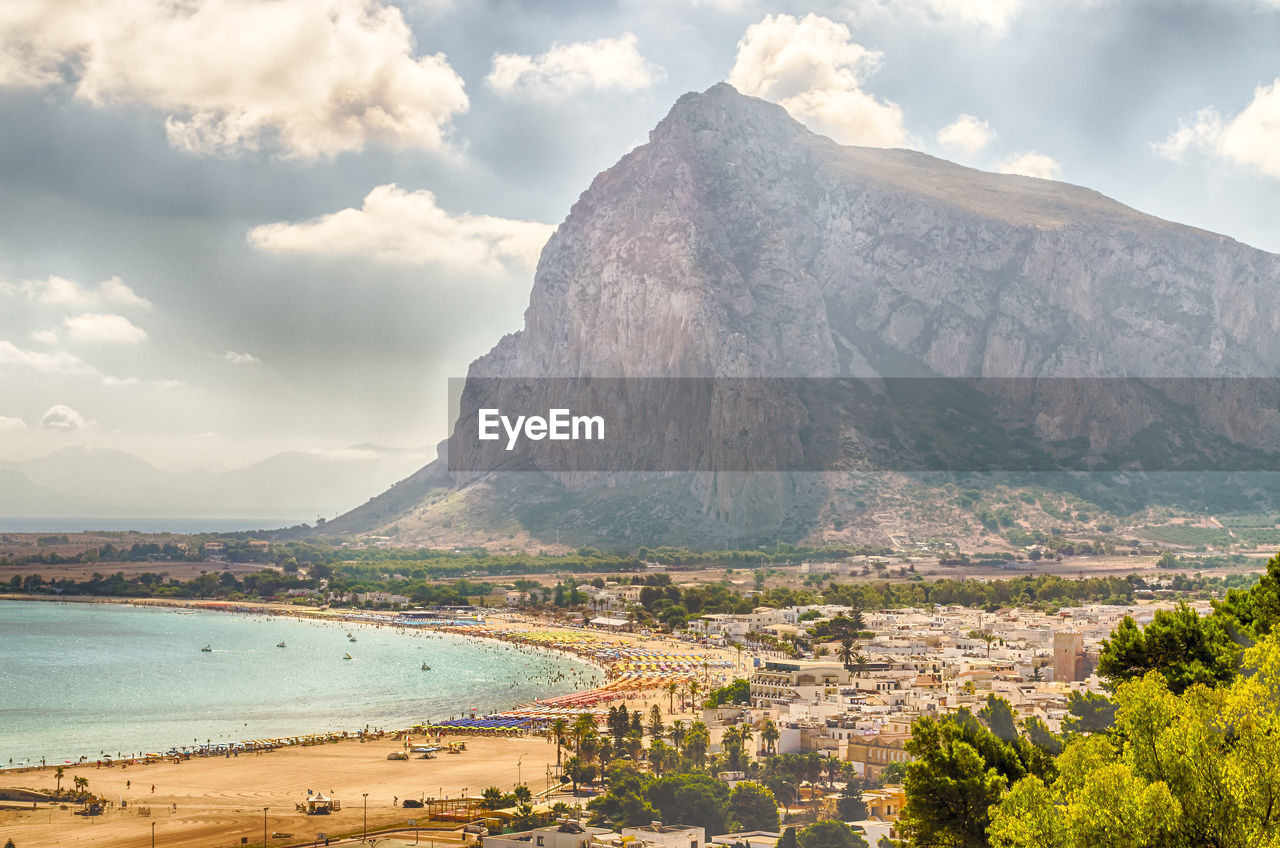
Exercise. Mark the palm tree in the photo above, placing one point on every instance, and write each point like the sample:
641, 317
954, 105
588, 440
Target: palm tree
697, 742
491, 798
860, 663
584, 727
769, 735
985, 637
677, 735
523, 794
560, 734
82, 785
846, 653
57, 773
672, 688
694, 689
833, 766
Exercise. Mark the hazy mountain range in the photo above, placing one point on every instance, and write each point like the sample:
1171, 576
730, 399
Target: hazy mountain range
86, 483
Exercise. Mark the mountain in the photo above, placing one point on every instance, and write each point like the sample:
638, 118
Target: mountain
78, 482
736, 243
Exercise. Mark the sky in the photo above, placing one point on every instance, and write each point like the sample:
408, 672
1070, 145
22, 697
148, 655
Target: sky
232, 228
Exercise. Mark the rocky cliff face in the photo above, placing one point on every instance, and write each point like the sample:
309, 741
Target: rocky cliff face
738, 244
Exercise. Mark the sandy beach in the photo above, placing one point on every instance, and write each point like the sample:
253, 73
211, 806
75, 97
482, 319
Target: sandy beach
218, 801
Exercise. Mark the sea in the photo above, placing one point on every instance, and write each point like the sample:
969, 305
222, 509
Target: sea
95, 680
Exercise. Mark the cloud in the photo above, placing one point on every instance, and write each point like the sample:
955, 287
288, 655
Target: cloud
1030, 164
8, 425
59, 291
44, 336
63, 419
233, 358
995, 16
397, 227
96, 327
54, 362
1250, 140
967, 134
310, 78
567, 69
814, 69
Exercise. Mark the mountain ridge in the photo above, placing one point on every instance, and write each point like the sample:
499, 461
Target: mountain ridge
736, 243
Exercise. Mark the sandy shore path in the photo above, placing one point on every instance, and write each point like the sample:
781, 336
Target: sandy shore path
220, 800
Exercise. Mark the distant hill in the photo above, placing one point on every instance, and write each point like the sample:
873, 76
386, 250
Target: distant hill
736, 243
84, 483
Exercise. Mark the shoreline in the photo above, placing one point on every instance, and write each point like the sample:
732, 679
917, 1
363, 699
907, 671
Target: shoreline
507, 628
303, 738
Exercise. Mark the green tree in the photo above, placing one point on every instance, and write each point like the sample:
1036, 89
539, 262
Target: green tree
560, 733
1199, 769
696, 799
1256, 611
788, 839
525, 818
960, 770
626, 804
850, 806
752, 807
1184, 647
1039, 734
696, 743
656, 728
998, 715
830, 834
846, 653
769, 735
1090, 712
578, 771
523, 794
492, 798
737, 692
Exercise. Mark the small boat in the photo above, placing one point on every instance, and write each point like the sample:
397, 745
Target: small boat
426, 667
346, 656
207, 649
280, 644
352, 639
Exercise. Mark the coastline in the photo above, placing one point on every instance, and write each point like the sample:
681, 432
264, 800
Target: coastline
209, 802
304, 736
579, 645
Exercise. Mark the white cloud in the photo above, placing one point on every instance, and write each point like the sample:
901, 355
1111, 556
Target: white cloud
397, 227
63, 419
967, 134
233, 358
44, 336
96, 327
59, 291
1030, 164
55, 362
1251, 139
311, 78
814, 69
8, 425
567, 69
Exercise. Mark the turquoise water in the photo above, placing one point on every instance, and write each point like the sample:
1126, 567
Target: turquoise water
82, 679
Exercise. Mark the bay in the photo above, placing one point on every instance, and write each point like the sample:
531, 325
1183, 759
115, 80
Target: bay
81, 679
